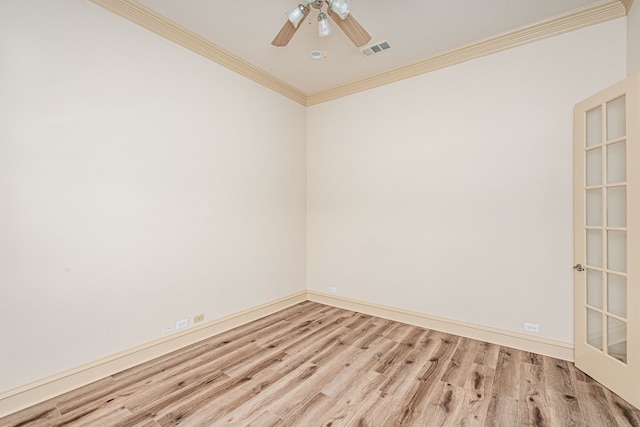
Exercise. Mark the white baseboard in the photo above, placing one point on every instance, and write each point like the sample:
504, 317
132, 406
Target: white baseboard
557, 349
33, 393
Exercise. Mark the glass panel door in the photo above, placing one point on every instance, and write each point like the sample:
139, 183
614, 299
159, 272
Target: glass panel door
605, 229
607, 238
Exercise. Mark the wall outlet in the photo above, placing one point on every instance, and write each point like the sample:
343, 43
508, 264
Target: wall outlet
167, 329
181, 324
333, 290
532, 327
198, 318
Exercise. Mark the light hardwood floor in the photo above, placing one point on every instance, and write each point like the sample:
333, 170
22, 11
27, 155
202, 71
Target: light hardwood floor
315, 365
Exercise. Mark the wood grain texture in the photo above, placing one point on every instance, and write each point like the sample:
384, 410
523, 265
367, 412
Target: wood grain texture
352, 28
316, 365
287, 31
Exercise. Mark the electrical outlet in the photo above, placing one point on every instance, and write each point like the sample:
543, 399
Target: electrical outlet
532, 327
333, 290
181, 324
167, 329
198, 318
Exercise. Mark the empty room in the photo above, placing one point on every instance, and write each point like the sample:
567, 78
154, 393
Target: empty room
330, 213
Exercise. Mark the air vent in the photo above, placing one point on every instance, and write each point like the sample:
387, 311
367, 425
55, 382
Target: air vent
375, 49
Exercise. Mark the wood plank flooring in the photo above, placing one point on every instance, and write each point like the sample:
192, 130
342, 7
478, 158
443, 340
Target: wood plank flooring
315, 365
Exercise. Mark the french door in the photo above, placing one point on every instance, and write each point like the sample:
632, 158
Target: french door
607, 238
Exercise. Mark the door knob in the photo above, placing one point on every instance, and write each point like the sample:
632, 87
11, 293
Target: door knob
578, 267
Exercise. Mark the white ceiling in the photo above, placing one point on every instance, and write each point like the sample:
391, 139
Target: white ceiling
415, 29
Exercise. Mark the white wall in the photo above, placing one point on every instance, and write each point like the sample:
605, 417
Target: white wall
139, 184
633, 39
450, 194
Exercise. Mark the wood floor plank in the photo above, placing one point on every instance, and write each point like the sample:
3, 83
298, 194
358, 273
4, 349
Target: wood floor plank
355, 401
38, 415
625, 413
400, 376
398, 331
308, 411
309, 389
594, 405
533, 402
347, 388
561, 392
265, 419
316, 365
393, 360
507, 380
260, 404
355, 371
487, 354
183, 396
477, 396
183, 378
317, 352
104, 416
413, 403
503, 411
215, 406
462, 362
443, 407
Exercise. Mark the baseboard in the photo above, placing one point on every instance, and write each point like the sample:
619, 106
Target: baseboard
557, 349
28, 395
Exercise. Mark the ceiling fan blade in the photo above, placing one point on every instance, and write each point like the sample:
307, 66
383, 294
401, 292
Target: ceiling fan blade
352, 28
287, 31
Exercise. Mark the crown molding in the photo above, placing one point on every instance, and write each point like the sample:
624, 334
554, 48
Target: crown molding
597, 13
574, 20
147, 18
627, 4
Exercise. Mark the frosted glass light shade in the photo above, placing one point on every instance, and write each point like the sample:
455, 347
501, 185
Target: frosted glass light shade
324, 29
296, 15
341, 7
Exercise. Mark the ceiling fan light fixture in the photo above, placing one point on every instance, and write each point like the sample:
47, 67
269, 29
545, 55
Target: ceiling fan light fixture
341, 7
296, 15
324, 28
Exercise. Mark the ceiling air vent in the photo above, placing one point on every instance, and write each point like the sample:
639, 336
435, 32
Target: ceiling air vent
375, 49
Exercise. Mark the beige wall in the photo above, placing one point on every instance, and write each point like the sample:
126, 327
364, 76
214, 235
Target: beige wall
633, 39
450, 194
140, 184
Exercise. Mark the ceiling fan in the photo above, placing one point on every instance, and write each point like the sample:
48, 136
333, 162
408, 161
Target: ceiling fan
338, 10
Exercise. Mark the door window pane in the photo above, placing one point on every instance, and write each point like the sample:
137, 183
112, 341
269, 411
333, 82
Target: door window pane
617, 337
616, 119
594, 167
617, 250
594, 248
616, 207
594, 288
594, 329
616, 163
617, 291
594, 208
594, 127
